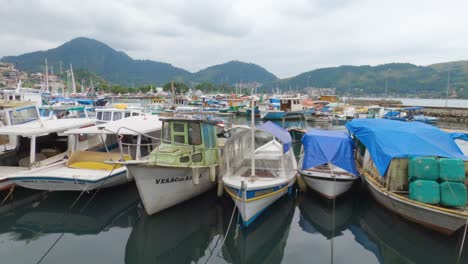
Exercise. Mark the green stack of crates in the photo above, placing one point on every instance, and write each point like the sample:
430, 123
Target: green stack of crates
423, 173
452, 187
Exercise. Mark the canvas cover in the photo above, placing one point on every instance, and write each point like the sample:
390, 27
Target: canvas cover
328, 146
280, 133
387, 139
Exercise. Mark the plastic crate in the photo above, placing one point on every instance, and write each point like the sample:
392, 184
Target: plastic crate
452, 170
425, 191
423, 168
453, 194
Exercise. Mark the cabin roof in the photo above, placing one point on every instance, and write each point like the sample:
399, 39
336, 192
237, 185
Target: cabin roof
44, 127
185, 119
137, 124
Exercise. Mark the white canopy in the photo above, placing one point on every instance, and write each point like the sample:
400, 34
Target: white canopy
45, 127
133, 125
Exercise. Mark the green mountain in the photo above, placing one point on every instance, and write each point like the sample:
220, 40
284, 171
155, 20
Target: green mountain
114, 66
394, 79
234, 72
118, 68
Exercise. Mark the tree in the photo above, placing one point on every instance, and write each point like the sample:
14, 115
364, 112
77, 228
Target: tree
179, 87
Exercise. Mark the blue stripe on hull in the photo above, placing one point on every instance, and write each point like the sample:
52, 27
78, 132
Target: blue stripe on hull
274, 115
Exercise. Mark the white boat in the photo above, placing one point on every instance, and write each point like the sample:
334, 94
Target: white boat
117, 112
182, 167
327, 164
260, 168
36, 144
90, 169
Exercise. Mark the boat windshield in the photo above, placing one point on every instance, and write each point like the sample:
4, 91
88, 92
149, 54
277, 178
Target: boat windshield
182, 132
24, 115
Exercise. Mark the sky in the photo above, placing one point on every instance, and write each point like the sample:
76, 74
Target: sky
287, 37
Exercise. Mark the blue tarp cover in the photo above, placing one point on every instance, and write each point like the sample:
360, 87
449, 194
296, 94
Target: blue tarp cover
387, 139
279, 132
392, 114
328, 146
459, 135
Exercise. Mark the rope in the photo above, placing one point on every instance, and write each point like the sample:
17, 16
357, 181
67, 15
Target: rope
463, 242
63, 233
332, 244
8, 195
98, 189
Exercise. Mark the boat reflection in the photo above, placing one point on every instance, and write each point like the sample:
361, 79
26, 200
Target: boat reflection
264, 241
400, 241
317, 214
92, 214
180, 234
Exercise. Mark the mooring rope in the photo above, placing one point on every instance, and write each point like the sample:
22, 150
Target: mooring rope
8, 195
463, 242
63, 233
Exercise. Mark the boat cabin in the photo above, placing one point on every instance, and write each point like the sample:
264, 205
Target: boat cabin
104, 115
59, 112
187, 143
291, 104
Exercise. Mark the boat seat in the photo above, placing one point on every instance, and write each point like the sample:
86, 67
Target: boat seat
94, 160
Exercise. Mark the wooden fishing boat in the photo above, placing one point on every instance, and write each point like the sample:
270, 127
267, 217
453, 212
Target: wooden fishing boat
260, 168
382, 155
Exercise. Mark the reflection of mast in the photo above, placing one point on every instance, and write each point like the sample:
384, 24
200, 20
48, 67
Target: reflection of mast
72, 79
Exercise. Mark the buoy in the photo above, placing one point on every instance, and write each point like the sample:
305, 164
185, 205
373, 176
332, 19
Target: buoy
301, 183
195, 176
212, 173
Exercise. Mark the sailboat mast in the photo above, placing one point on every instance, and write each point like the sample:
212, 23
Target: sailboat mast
46, 83
448, 87
73, 79
252, 124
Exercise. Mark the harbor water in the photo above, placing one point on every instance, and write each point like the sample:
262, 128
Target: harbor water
110, 226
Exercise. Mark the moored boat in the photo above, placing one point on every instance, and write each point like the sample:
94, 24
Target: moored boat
384, 147
182, 167
260, 168
327, 164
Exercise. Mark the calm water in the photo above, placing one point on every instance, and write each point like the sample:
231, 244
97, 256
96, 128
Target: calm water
110, 226
431, 102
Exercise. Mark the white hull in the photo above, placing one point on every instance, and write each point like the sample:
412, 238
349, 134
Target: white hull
163, 187
428, 216
327, 186
250, 209
58, 177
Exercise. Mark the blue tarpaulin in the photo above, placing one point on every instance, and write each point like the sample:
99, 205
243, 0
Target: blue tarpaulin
279, 132
387, 139
459, 135
328, 146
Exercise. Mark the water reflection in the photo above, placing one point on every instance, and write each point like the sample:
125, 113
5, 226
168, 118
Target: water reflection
401, 241
180, 234
318, 215
264, 241
49, 213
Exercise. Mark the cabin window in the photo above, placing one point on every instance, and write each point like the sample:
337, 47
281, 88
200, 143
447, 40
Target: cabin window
166, 135
117, 115
194, 134
197, 157
99, 116
24, 115
127, 114
179, 133
81, 114
178, 127
135, 114
107, 116
208, 135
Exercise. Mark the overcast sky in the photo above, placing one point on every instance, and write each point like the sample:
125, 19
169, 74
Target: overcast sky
287, 37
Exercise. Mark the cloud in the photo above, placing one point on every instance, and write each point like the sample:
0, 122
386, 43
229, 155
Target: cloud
285, 37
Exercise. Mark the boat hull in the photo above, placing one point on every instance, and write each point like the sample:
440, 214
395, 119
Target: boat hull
438, 220
328, 186
251, 208
163, 187
53, 183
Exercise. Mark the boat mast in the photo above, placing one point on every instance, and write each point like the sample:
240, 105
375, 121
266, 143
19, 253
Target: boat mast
46, 82
252, 124
72, 79
448, 87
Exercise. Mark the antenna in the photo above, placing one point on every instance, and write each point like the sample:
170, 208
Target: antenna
72, 79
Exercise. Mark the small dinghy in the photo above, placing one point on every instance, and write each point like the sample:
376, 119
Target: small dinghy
327, 164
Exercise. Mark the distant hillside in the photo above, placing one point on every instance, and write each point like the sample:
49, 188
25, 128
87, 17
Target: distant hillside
114, 66
401, 79
118, 68
234, 71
